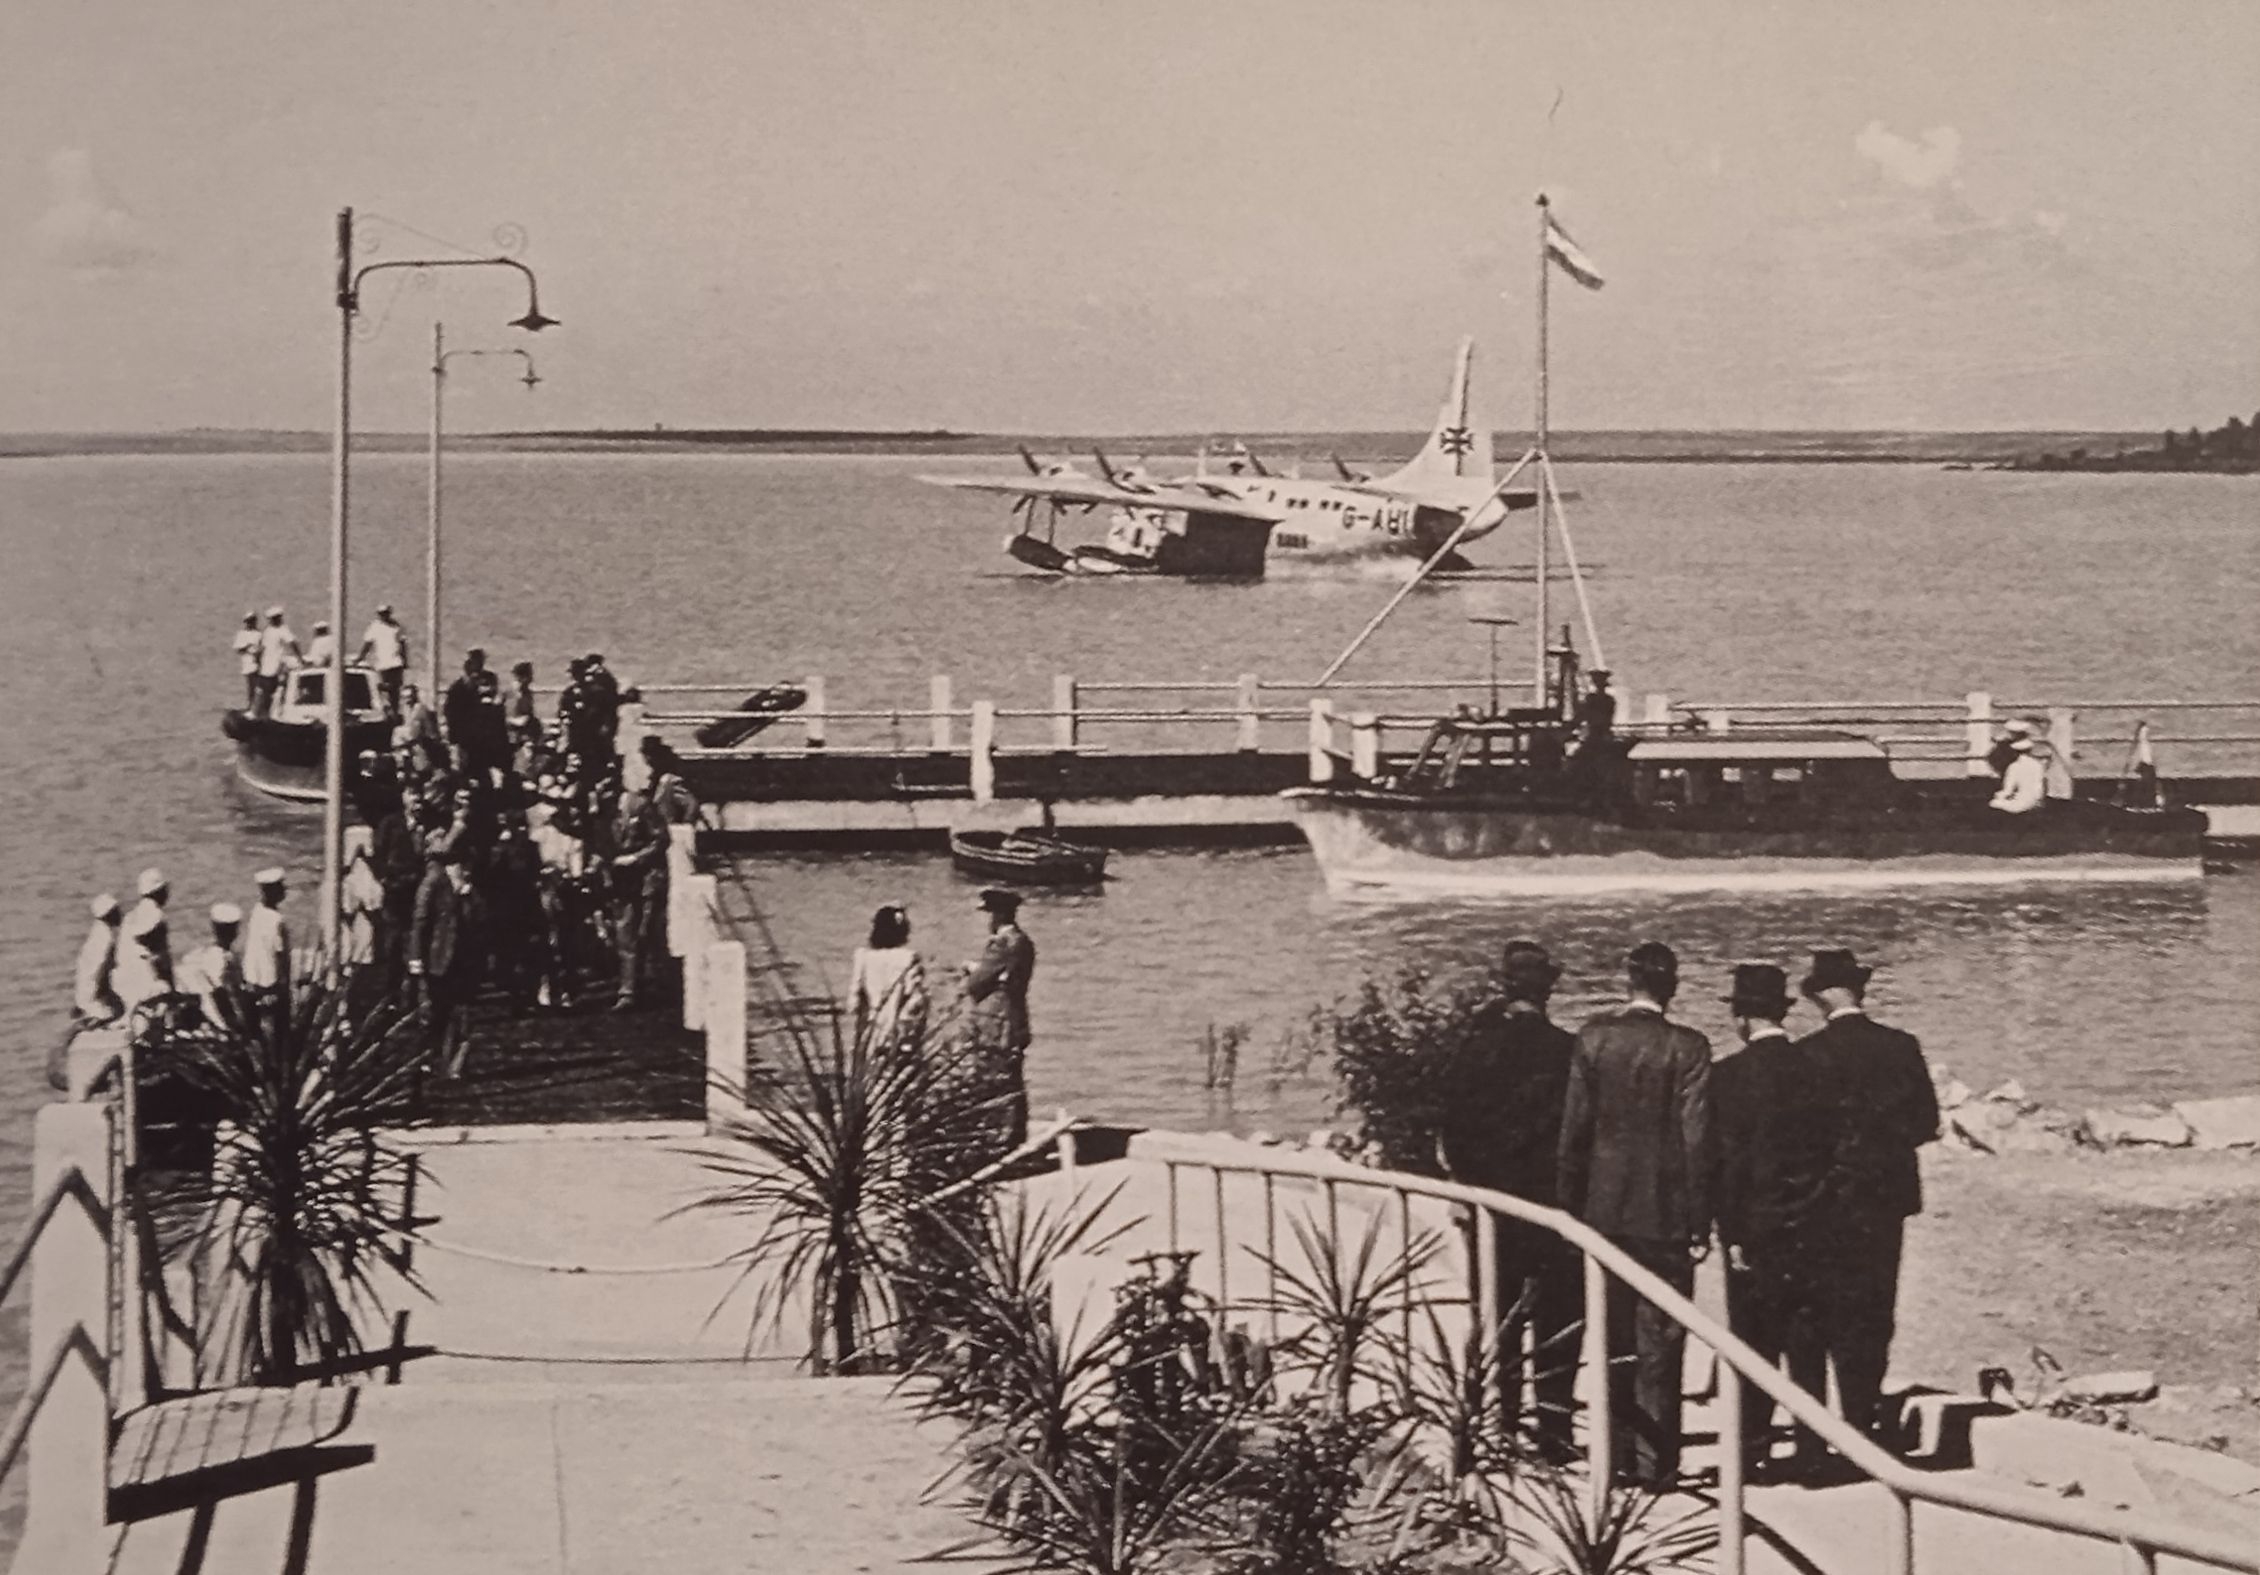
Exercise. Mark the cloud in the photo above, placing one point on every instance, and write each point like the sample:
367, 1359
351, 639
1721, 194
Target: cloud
86, 229
1920, 165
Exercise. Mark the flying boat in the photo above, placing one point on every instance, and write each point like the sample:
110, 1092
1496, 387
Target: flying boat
1234, 521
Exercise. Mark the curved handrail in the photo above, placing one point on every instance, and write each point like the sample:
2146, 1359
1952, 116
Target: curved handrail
2006, 1504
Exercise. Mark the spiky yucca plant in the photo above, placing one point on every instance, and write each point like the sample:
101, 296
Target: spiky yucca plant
1630, 1532
1340, 1302
293, 1217
849, 1131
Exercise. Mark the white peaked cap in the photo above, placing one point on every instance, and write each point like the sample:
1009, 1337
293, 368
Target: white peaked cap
105, 906
272, 875
275, 611
152, 881
226, 913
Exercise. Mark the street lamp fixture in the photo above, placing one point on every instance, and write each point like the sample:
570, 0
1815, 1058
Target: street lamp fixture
349, 281
441, 355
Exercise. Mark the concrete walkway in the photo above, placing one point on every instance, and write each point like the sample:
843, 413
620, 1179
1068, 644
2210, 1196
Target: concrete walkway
601, 1424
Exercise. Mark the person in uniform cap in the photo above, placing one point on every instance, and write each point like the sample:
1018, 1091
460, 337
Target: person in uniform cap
1502, 1131
323, 646
94, 996
1766, 1188
145, 956
278, 654
384, 647
1878, 1107
996, 986
2024, 776
266, 943
1636, 1166
247, 658
212, 969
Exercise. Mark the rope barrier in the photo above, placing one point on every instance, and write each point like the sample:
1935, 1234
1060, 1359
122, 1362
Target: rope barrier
544, 1266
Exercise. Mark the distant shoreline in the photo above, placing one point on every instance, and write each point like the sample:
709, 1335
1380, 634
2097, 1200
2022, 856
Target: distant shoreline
1740, 447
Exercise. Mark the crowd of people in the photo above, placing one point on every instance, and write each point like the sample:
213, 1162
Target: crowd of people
492, 850
1797, 1154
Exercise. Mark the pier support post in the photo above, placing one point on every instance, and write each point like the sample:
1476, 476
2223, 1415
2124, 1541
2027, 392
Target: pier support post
726, 1065
1717, 721
698, 936
938, 713
680, 868
811, 711
68, 1473
1250, 705
1065, 732
1977, 735
2060, 752
1657, 712
984, 750
1365, 745
1321, 739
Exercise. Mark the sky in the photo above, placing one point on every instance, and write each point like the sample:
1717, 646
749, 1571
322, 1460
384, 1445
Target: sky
1118, 216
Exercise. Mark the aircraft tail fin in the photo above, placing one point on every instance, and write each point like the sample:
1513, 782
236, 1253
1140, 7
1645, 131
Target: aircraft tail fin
1459, 449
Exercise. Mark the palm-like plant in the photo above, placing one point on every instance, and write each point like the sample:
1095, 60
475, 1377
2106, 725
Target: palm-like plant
1340, 1302
849, 1132
295, 1212
1629, 1532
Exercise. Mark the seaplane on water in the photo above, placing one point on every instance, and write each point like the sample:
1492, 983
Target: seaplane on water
1229, 525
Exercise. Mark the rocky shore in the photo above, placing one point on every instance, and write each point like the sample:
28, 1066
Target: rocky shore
2006, 1120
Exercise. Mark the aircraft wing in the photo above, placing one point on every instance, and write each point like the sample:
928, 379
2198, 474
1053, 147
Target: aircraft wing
1186, 498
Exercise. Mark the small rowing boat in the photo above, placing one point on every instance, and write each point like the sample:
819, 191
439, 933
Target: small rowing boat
757, 711
1027, 857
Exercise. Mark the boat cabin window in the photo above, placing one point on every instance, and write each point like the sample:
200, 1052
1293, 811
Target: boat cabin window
309, 687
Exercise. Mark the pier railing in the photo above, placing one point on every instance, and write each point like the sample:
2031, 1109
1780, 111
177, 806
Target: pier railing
1198, 1212
1361, 730
84, 1310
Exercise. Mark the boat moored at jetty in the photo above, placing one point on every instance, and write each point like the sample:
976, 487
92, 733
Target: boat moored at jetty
1513, 804
1032, 858
283, 753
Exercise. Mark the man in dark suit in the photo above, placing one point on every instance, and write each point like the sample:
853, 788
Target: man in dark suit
1636, 1166
1503, 1132
1879, 1107
444, 952
996, 986
1771, 1159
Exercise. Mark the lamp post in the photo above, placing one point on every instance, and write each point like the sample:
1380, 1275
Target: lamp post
441, 355
348, 304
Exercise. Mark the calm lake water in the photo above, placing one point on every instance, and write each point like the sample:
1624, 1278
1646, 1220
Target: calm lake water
125, 578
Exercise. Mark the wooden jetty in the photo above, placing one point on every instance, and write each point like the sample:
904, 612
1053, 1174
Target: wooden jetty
1140, 762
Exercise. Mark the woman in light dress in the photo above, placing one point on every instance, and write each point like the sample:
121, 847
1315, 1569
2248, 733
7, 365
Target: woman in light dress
887, 987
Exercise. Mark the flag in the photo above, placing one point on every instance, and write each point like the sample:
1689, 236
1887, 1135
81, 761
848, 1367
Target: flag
1565, 253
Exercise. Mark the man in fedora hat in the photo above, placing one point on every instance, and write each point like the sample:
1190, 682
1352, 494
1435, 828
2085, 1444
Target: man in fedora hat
1503, 1131
996, 985
1771, 1161
1878, 1108
1636, 1166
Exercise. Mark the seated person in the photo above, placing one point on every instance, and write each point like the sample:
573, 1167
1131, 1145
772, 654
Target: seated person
2024, 784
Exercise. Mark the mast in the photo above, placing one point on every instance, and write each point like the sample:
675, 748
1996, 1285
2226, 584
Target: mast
1540, 691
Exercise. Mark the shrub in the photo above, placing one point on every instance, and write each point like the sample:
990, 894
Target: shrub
1398, 1052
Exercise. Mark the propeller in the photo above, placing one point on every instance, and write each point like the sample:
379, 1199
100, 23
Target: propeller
1346, 473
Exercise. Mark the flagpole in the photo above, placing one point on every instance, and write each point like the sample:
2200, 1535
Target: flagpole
1544, 466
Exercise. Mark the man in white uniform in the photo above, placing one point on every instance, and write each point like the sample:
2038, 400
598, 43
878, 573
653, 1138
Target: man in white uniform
2024, 784
278, 654
266, 943
322, 647
145, 956
92, 996
247, 658
384, 646
210, 969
